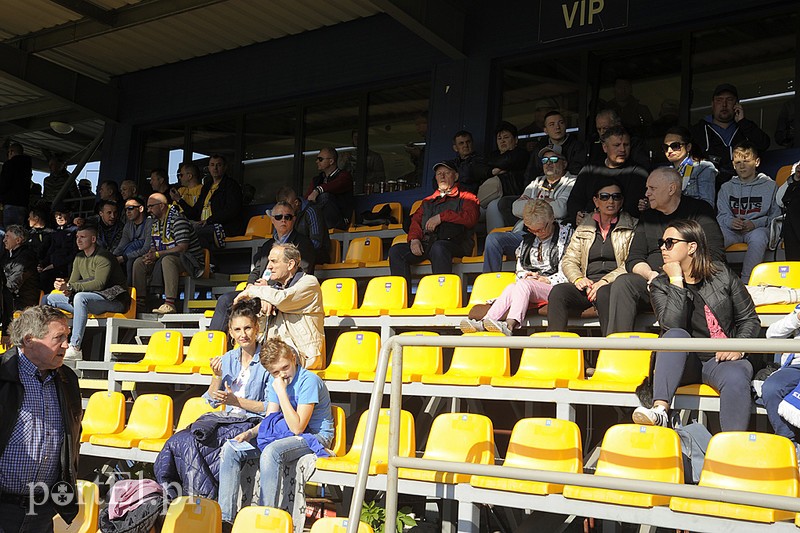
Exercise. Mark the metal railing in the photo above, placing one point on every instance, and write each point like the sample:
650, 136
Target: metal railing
394, 346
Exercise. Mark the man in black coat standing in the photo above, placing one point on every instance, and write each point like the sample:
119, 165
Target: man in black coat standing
15, 186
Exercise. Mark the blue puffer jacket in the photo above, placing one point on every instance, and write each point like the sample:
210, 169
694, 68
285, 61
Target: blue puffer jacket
193, 465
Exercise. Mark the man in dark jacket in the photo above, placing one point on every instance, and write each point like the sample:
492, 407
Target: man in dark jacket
20, 277
218, 211
283, 223
332, 190
557, 137
308, 221
716, 134
38, 450
471, 166
15, 185
629, 293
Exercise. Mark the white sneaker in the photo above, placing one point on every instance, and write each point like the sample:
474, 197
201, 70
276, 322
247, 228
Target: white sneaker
657, 416
470, 326
497, 326
73, 353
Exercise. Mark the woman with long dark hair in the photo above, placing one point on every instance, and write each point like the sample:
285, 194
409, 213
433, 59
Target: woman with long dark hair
699, 176
697, 297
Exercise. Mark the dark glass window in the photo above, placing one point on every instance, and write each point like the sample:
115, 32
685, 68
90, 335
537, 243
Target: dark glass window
269, 144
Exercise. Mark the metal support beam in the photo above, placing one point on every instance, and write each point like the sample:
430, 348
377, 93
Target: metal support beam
436, 21
89, 10
125, 17
29, 108
78, 90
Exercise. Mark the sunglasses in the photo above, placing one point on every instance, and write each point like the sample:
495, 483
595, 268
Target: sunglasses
281, 217
552, 159
132, 207
669, 242
606, 196
672, 146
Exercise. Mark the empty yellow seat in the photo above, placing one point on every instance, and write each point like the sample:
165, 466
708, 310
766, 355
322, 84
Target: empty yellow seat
396, 212
630, 451
383, 293
539, 444
378, 463
88, 511
618, 370
459, 437
104, 413
339, 431
258, 227
337, 524
164, 348
545, 368
417, 360
385, 262
737, 247
474, 366
204, 346
435, 293
266, 519
339, 294
360, 251
779, 274
486, 287
753, 462
193, 409
355, 351
151, 418
192, 513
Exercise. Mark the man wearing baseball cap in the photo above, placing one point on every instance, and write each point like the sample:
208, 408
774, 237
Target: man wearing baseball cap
716, 134
441, 228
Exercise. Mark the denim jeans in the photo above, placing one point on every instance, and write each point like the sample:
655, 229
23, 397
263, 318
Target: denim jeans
776, 387
84, 304
231, 464
17, 519
497, 245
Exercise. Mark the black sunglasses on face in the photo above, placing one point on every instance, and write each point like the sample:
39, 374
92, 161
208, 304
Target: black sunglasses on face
669, 242
281, 217
132, 207
552, 159
672, 146
606, 196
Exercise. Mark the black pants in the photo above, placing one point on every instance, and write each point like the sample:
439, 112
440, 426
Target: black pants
441, 254
566, 300
791, 240
222, 312
629, 297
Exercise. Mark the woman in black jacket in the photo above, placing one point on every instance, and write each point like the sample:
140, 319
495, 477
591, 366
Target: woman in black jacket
695, 297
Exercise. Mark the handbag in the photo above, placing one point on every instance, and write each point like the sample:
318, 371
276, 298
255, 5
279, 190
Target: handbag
776, 232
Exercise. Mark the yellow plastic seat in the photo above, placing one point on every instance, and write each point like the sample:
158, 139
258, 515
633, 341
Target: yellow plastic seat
192, 513
360, 251
193, 409
338, 295
473, 366
618, 370
630, 451
737, 247
753, 462
164, 348
782, 175
697, 389
258, 227
417, 360
458, 437
378, 463
151, 418
435, 293
383, 293
539, 444
545, 368
396, 212
398, 239
130, 313
88, 511
104, 413
204, 346
339, 430
355, 351
486, 287
266, 519
779, 274
337, 524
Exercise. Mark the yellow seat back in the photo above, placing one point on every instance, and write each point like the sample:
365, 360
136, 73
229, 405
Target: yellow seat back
438, 291
396, 210
651, 453
193, 409
416, 205
479, 361
400, 239
339, 294
461, 437
105, 413
335, 251
204, 346
624, 366
380, 448
546, 444
355, 351
88, 511
782, 175
419, 360
192, 513
266, 519
561, 364
339, 430
259, 226
489, 285
364, 249
780, 274
164, 348
337, 524
151, 417
386, 292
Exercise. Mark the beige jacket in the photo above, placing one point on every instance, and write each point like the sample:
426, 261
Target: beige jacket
300, 318
576, 258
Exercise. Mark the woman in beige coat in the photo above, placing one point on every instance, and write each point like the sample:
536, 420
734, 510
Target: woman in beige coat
594, 258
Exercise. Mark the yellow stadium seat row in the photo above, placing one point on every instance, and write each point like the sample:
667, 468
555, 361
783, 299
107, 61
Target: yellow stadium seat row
164, 353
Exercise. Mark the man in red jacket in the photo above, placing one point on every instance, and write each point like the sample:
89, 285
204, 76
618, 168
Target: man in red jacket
332, 190
441, 228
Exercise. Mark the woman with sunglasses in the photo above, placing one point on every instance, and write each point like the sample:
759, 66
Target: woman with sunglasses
697, 297
538, 271
595, 256
699, 177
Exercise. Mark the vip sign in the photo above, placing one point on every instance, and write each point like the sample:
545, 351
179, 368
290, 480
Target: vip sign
561, 20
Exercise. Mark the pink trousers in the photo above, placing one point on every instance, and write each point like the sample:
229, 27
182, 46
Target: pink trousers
517, 298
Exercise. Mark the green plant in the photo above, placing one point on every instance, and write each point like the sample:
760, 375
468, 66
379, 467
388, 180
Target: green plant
375, 515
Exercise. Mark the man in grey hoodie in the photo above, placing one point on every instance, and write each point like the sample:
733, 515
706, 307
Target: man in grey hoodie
746, 205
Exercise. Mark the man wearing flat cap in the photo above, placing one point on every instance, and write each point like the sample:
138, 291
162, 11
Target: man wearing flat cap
716, 134
441, 228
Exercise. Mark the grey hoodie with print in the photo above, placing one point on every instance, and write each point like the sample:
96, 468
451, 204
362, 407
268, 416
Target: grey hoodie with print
753, 201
